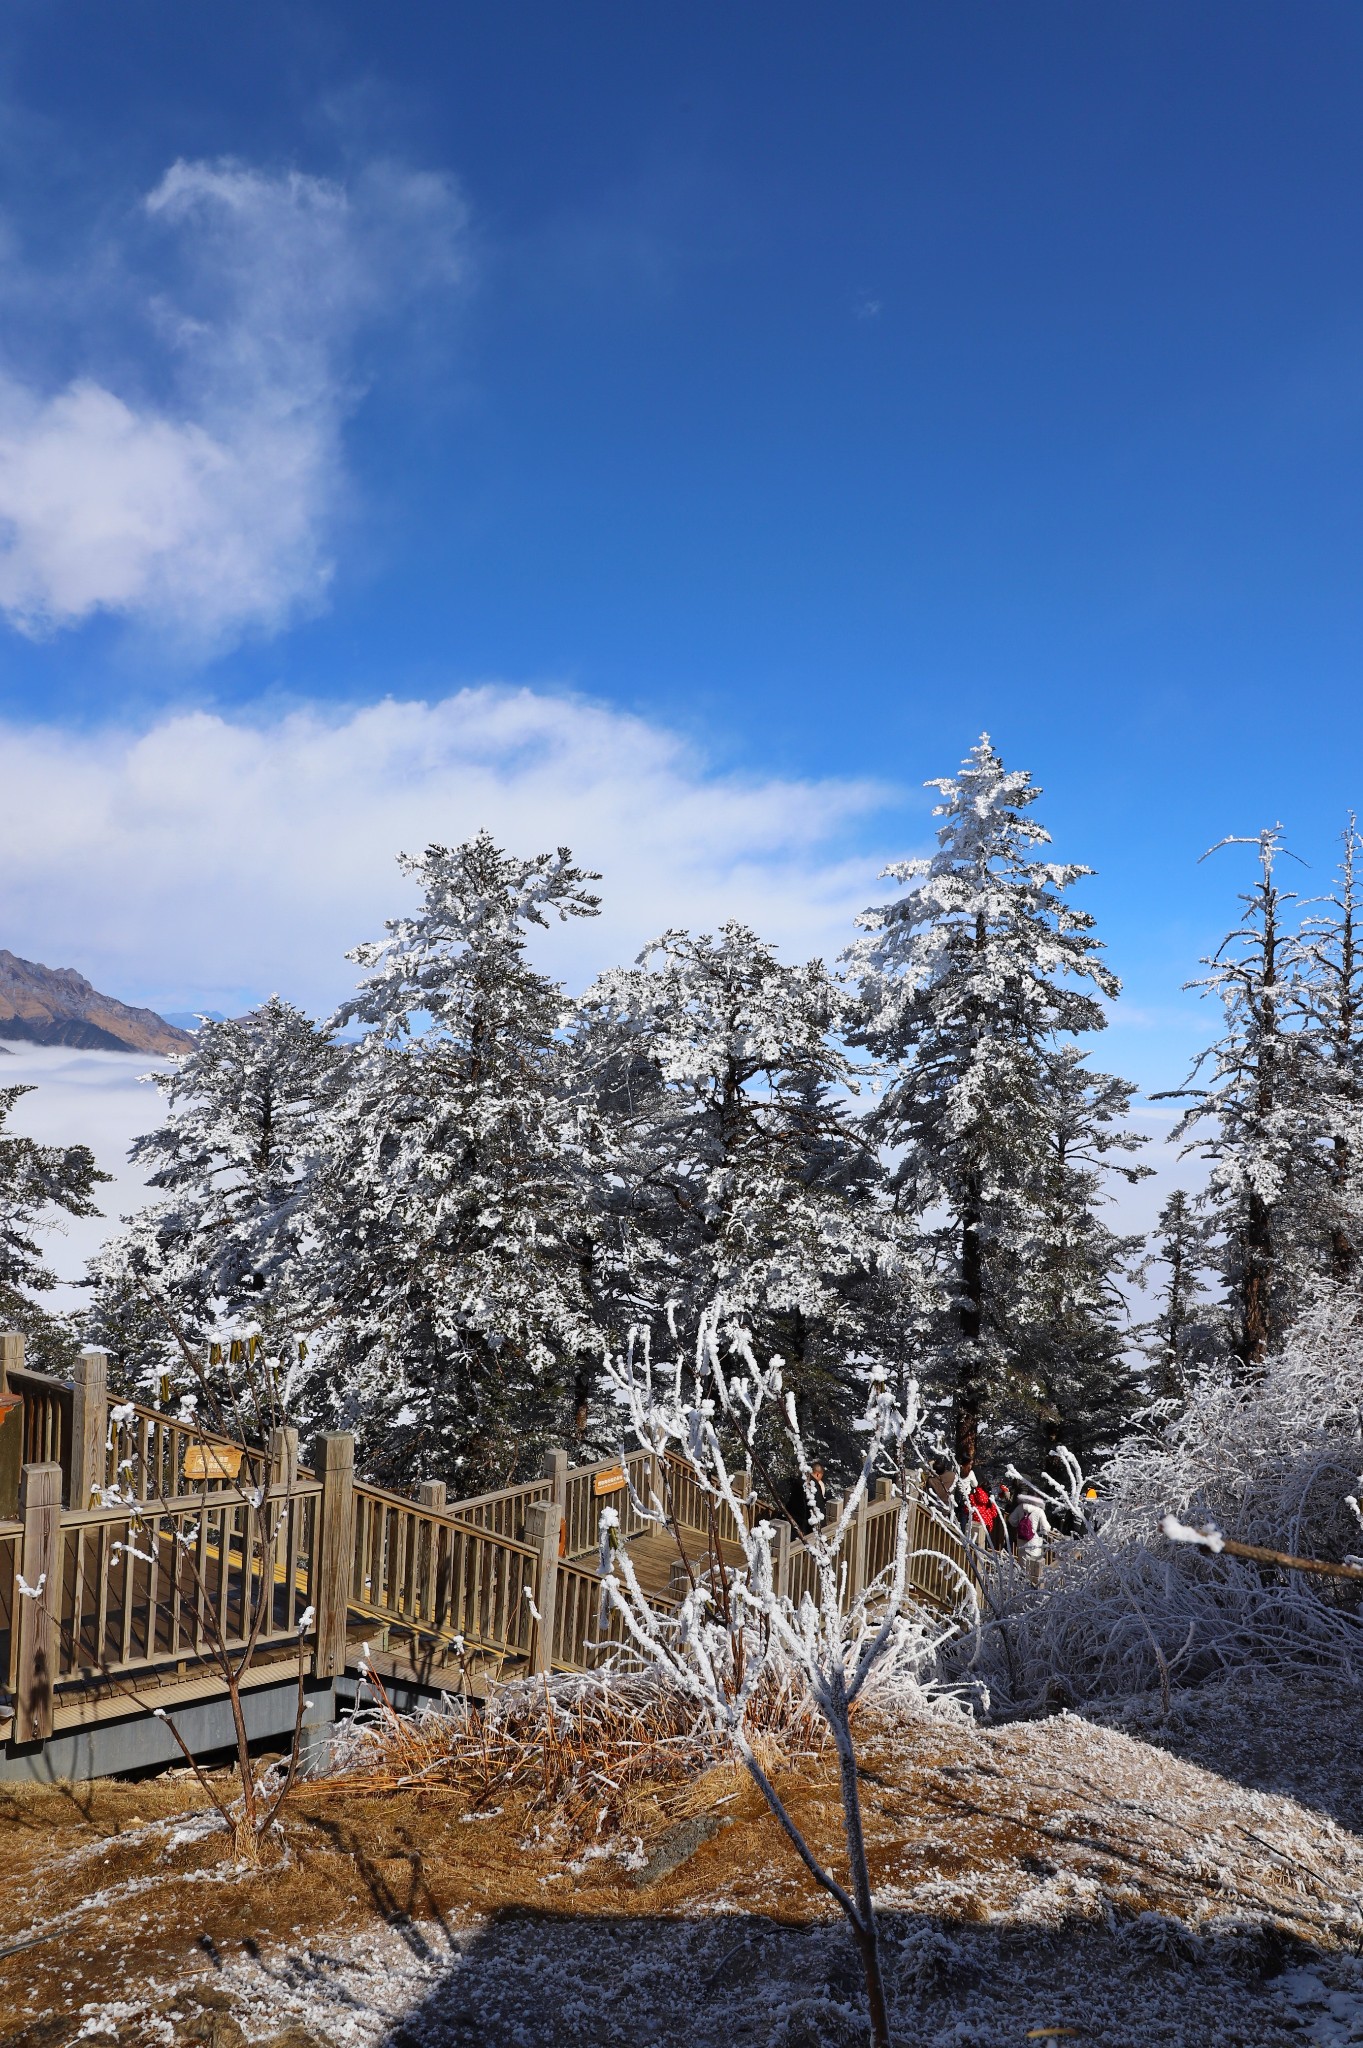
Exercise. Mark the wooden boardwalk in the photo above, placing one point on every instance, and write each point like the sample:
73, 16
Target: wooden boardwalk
318, 1568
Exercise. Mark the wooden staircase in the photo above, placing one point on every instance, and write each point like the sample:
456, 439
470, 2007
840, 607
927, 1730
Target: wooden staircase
427, 1594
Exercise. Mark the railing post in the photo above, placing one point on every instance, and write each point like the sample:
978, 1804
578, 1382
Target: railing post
11, 1356
40, 1506
543, 1521
283, 1472
780, 1559
336, 1561
284, 1458
89, 1426
555, 1469
432, 1579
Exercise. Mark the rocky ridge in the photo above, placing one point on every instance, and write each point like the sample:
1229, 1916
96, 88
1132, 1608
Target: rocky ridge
57, 1006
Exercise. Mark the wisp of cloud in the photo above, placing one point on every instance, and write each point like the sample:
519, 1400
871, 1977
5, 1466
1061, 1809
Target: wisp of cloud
211, 516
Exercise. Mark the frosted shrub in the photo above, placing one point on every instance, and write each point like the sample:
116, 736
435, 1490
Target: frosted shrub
1272, 1461
735, 1628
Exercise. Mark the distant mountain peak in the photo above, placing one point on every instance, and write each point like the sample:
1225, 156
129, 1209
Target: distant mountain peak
57, 1006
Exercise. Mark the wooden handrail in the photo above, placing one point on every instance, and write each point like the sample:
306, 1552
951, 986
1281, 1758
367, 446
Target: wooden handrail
181, 1503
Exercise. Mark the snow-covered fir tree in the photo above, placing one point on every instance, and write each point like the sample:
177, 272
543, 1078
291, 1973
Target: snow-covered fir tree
967, 986
220, 1258
1331, 996
1252, 1118
1074, 1340
39, 1184
739, 1184
1186, 1334
450, 1215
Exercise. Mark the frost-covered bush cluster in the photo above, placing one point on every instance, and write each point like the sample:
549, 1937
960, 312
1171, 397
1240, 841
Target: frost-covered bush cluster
1272, 1461
736, 1628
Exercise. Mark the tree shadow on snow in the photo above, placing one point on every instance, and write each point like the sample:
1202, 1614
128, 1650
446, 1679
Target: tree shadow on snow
742, 1981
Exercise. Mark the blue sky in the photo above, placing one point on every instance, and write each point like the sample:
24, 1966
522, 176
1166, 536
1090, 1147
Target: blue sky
774, 397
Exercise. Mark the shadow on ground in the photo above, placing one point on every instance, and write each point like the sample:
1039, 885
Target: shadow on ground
1293, 1733
726, 1981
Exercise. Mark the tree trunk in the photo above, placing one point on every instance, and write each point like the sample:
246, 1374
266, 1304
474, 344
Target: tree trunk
1258, 1276
971, 1317
1343, 1251
865, 1934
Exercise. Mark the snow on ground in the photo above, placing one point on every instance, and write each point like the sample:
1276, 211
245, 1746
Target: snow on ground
1050, 1872
718, 1980
1301, 1736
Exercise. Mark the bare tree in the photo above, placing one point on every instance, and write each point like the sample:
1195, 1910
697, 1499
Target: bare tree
734, 1626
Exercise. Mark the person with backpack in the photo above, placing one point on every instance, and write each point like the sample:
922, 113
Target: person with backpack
1030, 1532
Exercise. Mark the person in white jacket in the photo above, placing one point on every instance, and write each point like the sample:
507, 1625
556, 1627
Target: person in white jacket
1030, 1531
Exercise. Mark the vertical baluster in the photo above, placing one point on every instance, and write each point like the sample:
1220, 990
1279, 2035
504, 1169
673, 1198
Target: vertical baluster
407, 1599
287, 1545
201, 1594
78, 1536
378, 1528
359, 1583
126, 1562
224, 1584
103, 1553
176, 1565
253, 1534
157, 1533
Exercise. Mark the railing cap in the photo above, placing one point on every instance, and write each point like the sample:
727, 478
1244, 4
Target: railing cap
40, 1486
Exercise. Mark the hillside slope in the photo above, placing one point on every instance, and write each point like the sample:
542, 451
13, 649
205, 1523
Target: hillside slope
1046, 1874
57, 1006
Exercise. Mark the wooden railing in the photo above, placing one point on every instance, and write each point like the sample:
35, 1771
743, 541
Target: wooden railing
146, 1450
942, 1565
47, 1419
440, 1575
586, 1498
688, 1503
503, 1513
143, 1588
587, 1631
577, 1618
140, 1590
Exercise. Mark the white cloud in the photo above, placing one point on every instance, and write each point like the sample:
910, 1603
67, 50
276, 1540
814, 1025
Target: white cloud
210, 514
209, 860
99, 1099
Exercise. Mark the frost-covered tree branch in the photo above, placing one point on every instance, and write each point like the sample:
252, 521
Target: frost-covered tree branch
735, 1624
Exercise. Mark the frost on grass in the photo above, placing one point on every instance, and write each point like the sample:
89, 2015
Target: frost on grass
1126, 1611
1050, 1872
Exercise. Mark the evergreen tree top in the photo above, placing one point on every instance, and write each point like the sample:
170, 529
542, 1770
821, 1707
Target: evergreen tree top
460, 954
726, 1008
987, 931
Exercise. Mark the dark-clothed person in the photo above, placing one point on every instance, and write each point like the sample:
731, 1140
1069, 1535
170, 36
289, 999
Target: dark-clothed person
797, 1499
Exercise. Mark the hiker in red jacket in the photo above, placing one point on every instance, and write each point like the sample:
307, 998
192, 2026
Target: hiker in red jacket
986, 1523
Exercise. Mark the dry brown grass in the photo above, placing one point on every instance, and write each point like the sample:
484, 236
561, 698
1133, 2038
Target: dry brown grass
578, 1747
962, 1824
